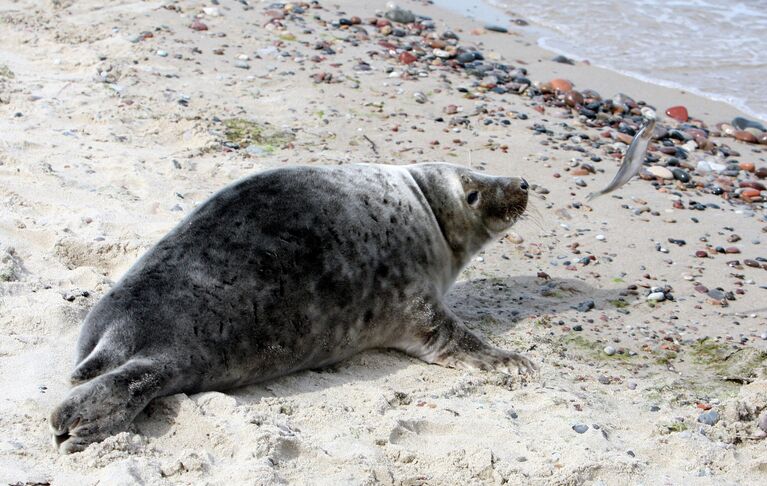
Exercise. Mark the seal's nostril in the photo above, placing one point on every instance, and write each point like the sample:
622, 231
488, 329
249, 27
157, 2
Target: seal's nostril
523, 184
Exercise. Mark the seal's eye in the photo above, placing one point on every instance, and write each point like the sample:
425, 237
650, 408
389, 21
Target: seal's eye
472, 198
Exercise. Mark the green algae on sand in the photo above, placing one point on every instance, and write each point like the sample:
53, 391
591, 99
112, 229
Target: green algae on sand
743, 365
247, 132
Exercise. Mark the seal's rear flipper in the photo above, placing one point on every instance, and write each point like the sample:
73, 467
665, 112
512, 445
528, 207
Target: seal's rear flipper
107, 404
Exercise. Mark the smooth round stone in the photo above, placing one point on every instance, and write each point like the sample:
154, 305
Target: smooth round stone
400, 15
678, 113
747, 166
742, 123
609, 350
761, 172
562, 85
496, 28
580, 428
745, 136
656, 296
751, 263
465, 57
624, 99
680, 174
197, 25
407, 58
709, 418
750, 193
752, 185
701, 254
660, 172
573, 98
716, 294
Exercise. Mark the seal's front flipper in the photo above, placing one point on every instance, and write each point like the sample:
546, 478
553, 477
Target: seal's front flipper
443, 340
107, 404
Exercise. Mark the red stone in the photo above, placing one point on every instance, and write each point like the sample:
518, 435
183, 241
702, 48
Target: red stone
749, 193
678, 113
407, 58
745, 136
562, 85
747, 166
573, 99
197, 25
701, 254
752, 184
761, 172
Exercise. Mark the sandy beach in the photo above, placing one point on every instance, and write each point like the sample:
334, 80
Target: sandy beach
118, 118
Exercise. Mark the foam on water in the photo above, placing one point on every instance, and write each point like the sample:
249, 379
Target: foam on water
711, 48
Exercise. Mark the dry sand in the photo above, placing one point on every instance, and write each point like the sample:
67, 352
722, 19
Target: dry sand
105, 145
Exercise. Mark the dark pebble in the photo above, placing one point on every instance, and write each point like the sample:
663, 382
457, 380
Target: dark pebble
742, 123
680, 174
497, 28
563, 60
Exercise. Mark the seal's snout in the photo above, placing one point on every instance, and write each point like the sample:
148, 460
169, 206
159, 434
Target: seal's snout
523, 184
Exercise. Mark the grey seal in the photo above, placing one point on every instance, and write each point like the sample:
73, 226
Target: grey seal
290, 269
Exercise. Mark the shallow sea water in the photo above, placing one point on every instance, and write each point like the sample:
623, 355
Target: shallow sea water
717, 49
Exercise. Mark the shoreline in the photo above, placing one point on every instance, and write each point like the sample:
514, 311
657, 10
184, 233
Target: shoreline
487, 13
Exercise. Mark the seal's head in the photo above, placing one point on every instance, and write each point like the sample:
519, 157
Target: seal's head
471, 208
494, 202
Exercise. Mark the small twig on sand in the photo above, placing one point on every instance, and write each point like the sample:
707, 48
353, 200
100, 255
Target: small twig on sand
372, 144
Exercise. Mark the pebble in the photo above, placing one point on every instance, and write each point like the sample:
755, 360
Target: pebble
660, 172
197, 25
742, 123
563, 60
580, 428
400, 15
681, 175
573, 98
709, 418
419, 97
407, 58
562, 85
585, 306
241, 65
162, 53
716, 294
496, 28
609, 350
678, 113
656, 296
745, 136
601, 237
